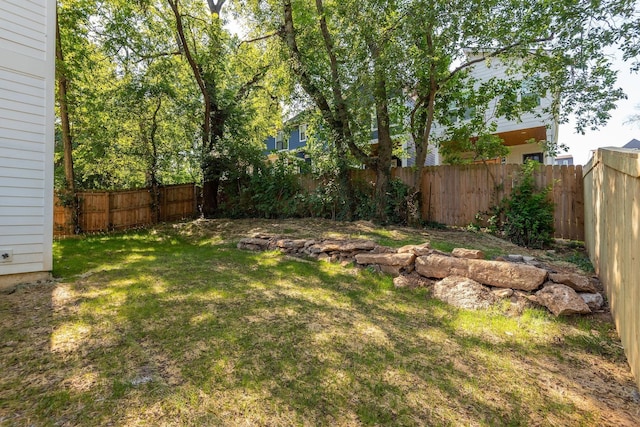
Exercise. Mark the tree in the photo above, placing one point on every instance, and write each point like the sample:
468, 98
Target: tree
555, 47
224, 90
342, 62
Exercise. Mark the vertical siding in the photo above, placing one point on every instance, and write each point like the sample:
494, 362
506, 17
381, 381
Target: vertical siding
26, 133
612, 228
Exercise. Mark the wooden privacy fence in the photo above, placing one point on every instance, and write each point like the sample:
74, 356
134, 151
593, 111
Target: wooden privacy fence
453, 195
119, 210
612, 226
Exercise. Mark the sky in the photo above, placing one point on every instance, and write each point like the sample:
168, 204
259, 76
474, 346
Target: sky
616, 133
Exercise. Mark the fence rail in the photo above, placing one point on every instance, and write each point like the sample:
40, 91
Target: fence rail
120, 210
453, 195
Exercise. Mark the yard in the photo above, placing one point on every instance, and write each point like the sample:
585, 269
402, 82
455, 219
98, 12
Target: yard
175, 326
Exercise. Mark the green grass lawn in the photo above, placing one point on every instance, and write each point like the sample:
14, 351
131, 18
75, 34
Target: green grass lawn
164, 328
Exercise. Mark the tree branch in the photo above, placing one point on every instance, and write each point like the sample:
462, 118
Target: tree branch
257, 39
215, 7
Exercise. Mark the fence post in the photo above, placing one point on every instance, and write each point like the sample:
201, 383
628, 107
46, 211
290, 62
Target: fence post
108, 211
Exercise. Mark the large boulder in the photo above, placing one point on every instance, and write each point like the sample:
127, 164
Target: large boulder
463, 292
401, 260
506, 274
561, 300
440, 266
492, 273
575, 281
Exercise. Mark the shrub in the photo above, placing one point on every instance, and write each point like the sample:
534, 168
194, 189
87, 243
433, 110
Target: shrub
525, 217
528, 212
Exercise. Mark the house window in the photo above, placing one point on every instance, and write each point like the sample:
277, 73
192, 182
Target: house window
303, 132
528, 96
469, 112
374, 122
281, 143
538, 157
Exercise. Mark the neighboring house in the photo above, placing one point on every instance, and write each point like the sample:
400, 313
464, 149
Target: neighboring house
293, 139
27, 67
515, 134
566, 160
634, 143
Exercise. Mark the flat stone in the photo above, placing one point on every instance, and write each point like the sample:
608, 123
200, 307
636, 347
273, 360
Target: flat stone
253, 241
467, 253
417, 250
440, 266
502, 293
402, 260
492, 273
329, 246
323, 256
393, 270
575, 281
561, 300
358, 245
506, 275
463, 292
594, 301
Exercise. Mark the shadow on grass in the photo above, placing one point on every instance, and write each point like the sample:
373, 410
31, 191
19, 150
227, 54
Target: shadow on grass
164, 329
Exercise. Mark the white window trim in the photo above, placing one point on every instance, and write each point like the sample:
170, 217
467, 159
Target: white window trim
280, 137
302, 129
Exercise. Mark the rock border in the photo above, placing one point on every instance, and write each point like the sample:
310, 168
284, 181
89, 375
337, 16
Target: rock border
465, 279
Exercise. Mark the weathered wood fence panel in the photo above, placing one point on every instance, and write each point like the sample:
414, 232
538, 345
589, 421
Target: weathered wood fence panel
120, 210
612, 228
453, 195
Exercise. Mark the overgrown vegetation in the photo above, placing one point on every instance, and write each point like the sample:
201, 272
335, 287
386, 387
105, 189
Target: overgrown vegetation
525, 217
177, 326
273, 190
160, 92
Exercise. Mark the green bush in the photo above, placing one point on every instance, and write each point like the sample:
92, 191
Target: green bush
525, 217
528, 212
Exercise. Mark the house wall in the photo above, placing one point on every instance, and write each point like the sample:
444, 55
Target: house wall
293, 138
495, 68
27, 61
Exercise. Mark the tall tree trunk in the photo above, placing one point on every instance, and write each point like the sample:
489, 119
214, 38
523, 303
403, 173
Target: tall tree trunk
153, 164
383, 163
209, 190
71, 200
422, 118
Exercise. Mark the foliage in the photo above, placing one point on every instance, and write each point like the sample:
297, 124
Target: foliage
525, 217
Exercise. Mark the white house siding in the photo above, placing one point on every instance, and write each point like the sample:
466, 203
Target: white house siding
485, 70
27, 61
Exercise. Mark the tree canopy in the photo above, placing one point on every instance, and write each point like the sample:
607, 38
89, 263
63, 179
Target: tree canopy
160, 91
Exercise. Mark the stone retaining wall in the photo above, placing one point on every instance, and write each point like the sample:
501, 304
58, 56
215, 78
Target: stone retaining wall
467, 280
